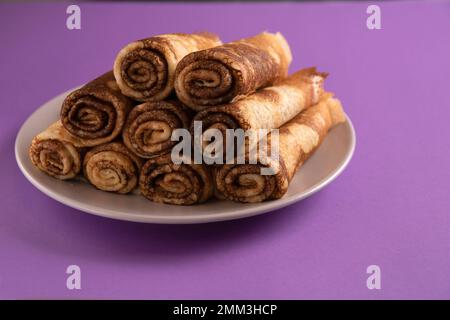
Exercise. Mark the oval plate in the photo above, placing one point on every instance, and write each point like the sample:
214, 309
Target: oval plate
322, 168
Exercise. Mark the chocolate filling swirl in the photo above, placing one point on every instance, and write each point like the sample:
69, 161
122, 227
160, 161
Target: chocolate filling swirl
112, 167
53, 152
145, 71
163, 181
149, 127
96, 112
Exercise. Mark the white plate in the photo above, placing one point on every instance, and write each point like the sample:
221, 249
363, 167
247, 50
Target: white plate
323, 167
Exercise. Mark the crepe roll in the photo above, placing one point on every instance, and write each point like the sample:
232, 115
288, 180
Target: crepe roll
96, 113
149, 127
232, 71
54, 152
163, 181
112, 167
297, 140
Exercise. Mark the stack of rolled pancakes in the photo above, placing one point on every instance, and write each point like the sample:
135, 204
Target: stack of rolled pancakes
116, 130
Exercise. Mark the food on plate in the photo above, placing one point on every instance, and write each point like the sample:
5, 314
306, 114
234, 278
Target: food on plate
96, 112
297, 139
145, 69
53, 151
232, 71
163, 181
112, 167
149, 127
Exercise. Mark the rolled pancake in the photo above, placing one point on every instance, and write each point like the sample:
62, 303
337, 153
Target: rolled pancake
53, 151
232, 71
298, 139
149, 127
163, 181
112, 167
96, 113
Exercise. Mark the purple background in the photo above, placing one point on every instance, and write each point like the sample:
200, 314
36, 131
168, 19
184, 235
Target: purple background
390, 207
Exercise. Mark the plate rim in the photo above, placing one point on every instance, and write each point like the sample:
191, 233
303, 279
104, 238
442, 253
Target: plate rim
262, 208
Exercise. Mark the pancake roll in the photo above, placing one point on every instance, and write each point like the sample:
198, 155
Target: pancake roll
232, 71
56, 152
163, 181
112, 167
96, 113
149, 127
297, 141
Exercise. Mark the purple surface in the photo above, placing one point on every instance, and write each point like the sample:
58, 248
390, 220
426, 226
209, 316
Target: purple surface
390, 207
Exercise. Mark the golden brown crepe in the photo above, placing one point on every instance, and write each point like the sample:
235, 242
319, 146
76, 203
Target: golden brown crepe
163, 181
112, 167
96, 113
54, 152
298, 139
232, 71
145, 69
149, 127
